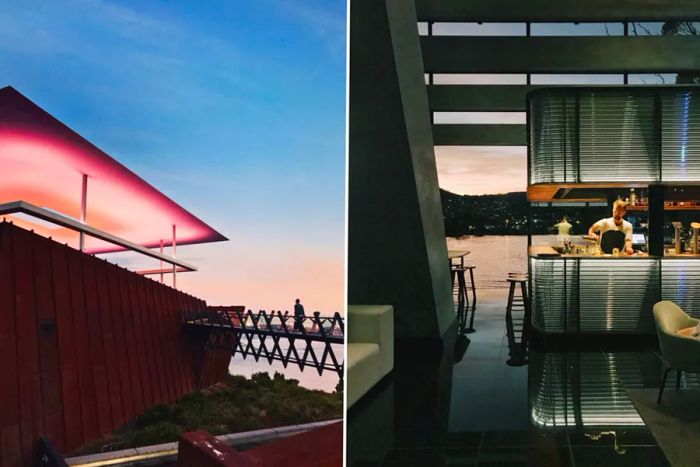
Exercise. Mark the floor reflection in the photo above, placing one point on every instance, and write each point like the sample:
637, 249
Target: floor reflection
587, 389
517, 332
473, 406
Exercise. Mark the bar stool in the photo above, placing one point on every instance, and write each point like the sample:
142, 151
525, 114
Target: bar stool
519, 326
461, 297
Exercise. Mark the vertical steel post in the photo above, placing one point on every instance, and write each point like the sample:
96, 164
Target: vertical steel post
656, 219
625, 76
174, 256
430, 75
161, 261
83, 210
528, 33
529, 149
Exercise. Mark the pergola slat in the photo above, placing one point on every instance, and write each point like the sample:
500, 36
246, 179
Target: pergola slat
557, 11
555, 54
478, 98
479, 135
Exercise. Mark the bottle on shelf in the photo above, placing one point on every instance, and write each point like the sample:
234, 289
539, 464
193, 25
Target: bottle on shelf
633, 197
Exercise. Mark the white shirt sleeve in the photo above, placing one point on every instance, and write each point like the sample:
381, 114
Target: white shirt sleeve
597, 226
627, 229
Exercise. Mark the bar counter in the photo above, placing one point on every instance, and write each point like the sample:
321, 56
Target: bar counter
584, 294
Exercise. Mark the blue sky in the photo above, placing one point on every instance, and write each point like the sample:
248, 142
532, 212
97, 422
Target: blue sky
235, 109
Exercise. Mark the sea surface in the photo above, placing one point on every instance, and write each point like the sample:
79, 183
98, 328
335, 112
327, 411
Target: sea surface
494, 257
308, 378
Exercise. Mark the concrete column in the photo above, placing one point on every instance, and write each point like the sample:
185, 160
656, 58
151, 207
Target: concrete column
396, 252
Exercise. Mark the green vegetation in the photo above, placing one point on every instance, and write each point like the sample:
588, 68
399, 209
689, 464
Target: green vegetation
682, 28
235, 405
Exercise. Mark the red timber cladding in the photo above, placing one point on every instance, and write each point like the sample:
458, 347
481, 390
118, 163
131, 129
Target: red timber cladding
10, 452
52, 394
131, 346
138, 310
216, 361
86, 380
97, 346
109, 342
86, 346
68, 360
149, 322
157, 345
26, 328
169, 334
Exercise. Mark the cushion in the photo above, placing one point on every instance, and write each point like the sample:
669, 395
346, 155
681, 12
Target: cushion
688, 332
364, 369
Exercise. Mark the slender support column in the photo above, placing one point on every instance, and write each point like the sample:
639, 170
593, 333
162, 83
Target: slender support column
528, 33
161, 261
625, 77
656, 219
83, 210
431, 79
174, 256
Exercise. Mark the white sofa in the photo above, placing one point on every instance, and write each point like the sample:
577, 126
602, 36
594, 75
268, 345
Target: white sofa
370, 347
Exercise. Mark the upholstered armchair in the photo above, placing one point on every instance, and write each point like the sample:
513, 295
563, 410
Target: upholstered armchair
679, 352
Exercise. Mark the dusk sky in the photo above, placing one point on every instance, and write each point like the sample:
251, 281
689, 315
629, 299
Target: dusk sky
236, 110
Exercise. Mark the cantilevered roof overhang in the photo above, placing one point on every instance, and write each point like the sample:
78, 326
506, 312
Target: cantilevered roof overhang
43, 162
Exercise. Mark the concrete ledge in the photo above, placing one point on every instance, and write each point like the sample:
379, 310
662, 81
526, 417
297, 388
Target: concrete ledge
170, 449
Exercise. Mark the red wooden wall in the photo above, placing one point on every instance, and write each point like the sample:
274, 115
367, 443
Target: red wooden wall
86, 346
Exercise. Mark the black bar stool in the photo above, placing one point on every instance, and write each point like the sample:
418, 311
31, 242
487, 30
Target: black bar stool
459, 287
461, 296
518, 326
471, 286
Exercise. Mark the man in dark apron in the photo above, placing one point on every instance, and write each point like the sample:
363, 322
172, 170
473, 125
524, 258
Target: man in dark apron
622, 239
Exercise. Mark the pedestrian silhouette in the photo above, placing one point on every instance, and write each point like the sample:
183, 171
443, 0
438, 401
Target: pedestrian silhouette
298, 315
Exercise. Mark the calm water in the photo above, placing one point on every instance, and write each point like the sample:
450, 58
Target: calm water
496, 255
309, 378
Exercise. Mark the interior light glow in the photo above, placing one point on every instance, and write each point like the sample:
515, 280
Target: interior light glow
47, 161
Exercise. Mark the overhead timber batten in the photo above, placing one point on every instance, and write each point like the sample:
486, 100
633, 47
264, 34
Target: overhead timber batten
561, 11
478, 98
560, 54
479, 135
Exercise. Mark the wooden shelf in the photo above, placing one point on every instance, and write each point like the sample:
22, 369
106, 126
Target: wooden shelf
666, 208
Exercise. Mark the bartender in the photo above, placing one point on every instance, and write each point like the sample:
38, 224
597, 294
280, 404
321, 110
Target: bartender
616, 222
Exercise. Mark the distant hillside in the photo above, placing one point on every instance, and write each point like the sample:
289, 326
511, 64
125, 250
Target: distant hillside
484, 214
506, 214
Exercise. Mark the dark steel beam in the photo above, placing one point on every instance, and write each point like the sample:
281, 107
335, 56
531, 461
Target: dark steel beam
571, 54
557, 11
479, 135
478, 98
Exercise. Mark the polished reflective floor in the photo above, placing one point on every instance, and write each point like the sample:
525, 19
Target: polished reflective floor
491, 404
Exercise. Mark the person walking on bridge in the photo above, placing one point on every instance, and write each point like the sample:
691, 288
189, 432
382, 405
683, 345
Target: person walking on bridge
298, 315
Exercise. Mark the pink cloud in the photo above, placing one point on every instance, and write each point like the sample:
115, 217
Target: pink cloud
477, 170
265, 276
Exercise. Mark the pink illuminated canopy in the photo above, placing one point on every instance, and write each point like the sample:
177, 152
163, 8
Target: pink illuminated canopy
42, 162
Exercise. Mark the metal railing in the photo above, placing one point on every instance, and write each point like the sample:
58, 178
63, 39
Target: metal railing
273, 336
